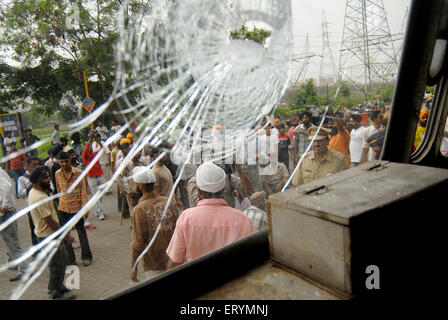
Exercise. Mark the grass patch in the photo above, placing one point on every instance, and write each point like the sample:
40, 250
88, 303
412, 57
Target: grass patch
42, 151
46, 132
43, 133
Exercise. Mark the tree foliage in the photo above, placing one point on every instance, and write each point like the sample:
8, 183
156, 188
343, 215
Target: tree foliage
307, 93
256, 34
298, 96
53, 54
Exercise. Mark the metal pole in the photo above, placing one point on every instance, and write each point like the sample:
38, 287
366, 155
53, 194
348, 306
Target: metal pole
366, 50
87, 92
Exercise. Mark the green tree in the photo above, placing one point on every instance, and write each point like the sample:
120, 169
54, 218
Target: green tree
307, 93
296, 97
290, 98
257, 34
431, 89
283, 112
345, 90
387, 94
53, 54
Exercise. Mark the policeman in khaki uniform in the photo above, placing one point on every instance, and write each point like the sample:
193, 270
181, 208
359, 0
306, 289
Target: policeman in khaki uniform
321, 161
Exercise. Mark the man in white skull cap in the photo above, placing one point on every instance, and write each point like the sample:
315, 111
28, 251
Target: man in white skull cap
209, 226
145, 218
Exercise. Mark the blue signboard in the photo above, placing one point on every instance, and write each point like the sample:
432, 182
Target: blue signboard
10, 122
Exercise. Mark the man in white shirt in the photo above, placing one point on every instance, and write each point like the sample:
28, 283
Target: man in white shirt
274, 128
105, 157
24, 186
444, 146
64, 144
260, 130
368, 153
8, 139
115, 127
9, 234
315, 114
246, 160
102, 130
55, 135
268, 143
356, 139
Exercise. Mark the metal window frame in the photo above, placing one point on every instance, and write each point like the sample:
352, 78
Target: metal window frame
421, 35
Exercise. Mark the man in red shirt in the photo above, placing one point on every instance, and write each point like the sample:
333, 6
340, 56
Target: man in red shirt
16, 166
94, 176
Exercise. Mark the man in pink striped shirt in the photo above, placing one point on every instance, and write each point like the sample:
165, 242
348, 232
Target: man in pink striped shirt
209, 226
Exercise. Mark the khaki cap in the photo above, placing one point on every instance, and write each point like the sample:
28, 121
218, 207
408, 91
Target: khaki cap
322, 134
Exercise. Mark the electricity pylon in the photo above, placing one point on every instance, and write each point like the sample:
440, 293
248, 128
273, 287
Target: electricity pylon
368, 53
328, 74
304, 59
402, 31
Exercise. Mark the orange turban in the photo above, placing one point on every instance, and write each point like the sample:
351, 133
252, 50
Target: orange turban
423, 113
276, 122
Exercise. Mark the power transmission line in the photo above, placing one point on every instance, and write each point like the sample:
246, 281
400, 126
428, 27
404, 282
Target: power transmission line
306, 56
367, 52
402, 31
327, 72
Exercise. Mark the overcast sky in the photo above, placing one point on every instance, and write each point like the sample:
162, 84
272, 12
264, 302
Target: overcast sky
307, 18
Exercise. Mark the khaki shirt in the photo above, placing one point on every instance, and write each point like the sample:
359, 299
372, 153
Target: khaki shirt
311, 169
42, 229
128, 185
125, 184
193, 196
113, 156
164, 179
280, 174
145, 219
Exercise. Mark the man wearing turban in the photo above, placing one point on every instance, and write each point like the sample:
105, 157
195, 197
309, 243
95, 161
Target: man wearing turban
209, 226
421, 128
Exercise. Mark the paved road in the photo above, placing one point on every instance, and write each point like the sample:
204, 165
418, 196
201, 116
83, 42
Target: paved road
109, 272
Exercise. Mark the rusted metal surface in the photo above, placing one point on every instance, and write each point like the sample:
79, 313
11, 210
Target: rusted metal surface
269, 282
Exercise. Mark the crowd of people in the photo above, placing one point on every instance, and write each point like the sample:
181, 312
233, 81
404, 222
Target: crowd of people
213, 205
31, 178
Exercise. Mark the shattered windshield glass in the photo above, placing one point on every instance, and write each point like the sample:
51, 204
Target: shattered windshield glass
179, 107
